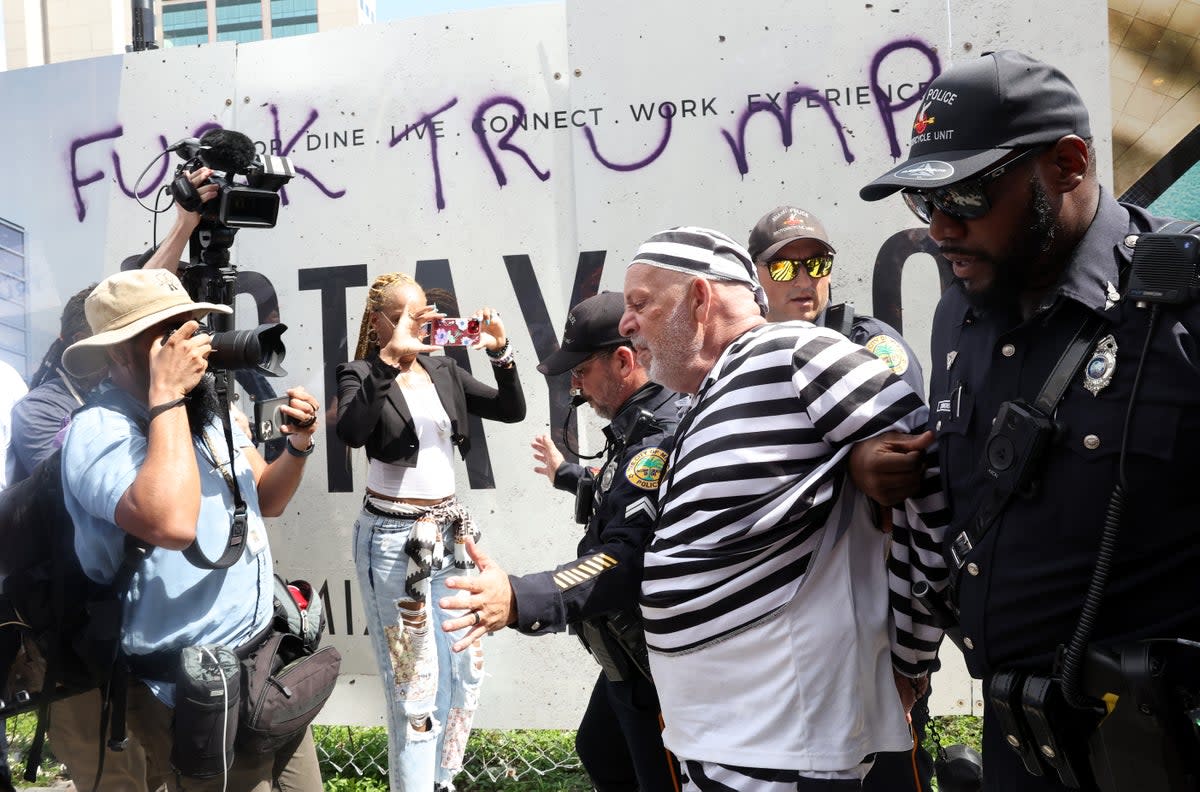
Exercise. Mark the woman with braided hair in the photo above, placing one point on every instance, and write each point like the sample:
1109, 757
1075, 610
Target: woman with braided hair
410, 410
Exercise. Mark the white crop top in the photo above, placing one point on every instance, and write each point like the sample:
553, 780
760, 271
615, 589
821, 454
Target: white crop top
433, 475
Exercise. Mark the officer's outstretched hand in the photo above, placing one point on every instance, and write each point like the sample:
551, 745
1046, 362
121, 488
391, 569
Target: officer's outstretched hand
889, 468
487, 598
547, 456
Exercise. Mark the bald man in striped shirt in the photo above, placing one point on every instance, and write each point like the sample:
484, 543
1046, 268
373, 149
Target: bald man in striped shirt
780, 621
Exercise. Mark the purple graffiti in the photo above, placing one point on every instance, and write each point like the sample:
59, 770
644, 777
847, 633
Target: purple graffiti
207, 126
887, 110
784, 117
426, 122
632, 166
129, 192
78, 182
285, 150
738, 145
478, 128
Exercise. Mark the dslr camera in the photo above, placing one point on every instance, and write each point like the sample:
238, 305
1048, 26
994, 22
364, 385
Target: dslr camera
252, 202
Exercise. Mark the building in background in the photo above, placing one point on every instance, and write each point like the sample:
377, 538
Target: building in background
1154, 73
186, 22
14, 307
36, 32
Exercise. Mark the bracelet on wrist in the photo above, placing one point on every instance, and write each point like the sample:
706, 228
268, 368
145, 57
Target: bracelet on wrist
501, 352
296, 452
158, 410
504, 360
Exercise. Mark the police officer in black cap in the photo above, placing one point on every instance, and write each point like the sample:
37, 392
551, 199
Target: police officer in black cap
1065, 396
596, 595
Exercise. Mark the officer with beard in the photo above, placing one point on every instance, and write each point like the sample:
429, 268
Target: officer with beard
1002, 168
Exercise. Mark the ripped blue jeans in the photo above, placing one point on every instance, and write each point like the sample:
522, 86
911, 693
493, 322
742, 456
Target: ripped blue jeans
432, 693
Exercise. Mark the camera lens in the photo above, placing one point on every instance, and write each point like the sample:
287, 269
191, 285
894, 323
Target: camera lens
261, 348
1000, 453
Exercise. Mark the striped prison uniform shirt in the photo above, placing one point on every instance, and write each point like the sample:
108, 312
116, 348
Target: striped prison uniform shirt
758, 464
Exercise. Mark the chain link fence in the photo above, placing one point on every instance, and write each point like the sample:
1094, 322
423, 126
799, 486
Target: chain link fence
524, 759
493, 758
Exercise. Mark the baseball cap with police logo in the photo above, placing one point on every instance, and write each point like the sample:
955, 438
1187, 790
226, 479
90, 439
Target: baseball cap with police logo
782, 225
592, 325
976, 113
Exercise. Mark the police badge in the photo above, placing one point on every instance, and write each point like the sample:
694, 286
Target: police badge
606, 479
1098, 372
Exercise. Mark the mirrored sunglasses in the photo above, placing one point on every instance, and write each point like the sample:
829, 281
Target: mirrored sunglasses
965, 200
784, 270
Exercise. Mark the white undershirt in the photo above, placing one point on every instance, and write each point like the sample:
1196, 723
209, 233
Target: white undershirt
433, 475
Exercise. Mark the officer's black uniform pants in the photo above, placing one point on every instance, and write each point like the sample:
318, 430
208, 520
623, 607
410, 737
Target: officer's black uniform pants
620, 739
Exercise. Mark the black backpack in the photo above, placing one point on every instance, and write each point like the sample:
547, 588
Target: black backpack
60, 632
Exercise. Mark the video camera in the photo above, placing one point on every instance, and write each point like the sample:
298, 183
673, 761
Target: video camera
210, 277
252, 204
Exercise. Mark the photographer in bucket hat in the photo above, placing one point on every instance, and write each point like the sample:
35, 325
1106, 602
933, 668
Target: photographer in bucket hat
148, 459
1050, 344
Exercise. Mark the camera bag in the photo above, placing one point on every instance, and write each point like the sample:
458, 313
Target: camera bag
287, 680
284, 686
207, 695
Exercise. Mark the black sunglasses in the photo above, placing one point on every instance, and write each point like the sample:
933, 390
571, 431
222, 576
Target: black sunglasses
784, 270
965, 200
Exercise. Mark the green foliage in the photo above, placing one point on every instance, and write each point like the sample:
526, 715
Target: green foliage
351, 753
524, 760
340, 784
501, 761
20, 734
953, 729
538, 760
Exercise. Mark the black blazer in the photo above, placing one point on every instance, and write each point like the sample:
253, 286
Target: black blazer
372, 410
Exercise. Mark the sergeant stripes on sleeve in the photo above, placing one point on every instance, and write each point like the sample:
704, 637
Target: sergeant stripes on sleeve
584, 570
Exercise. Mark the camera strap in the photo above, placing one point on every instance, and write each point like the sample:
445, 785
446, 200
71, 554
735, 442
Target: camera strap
994, 497
237, 522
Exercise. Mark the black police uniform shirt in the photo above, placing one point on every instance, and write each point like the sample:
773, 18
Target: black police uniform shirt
607, 574
1024, 584
886, 344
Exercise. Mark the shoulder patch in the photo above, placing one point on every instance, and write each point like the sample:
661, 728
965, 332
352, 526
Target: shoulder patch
890, 351
646, 469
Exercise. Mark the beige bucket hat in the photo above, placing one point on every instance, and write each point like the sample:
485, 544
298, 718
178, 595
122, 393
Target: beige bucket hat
125, 304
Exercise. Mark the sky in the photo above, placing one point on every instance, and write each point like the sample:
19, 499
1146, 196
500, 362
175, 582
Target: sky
386, 10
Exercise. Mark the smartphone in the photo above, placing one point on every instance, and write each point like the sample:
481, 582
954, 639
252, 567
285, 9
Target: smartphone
268, 418
454, 332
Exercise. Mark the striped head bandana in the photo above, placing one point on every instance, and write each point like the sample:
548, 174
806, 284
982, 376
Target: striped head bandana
703, 252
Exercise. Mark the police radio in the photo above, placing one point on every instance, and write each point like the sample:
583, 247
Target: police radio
1164, 268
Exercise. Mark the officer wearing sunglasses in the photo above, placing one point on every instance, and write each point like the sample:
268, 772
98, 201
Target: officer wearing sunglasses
794, 258
1002, 168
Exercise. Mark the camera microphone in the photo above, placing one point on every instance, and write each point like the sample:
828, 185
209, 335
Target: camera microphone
226, 150
188, 147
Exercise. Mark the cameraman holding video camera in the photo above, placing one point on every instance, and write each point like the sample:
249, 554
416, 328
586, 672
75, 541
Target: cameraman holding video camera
1066, 402
151, 461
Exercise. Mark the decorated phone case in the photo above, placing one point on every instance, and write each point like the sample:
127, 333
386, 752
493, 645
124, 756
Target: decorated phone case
455, 332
